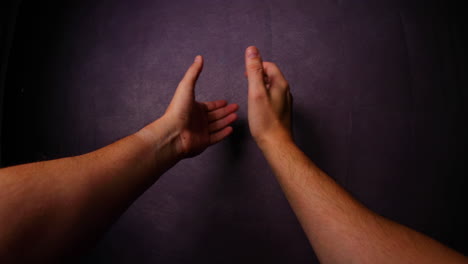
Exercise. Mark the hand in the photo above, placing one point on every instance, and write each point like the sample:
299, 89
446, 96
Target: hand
269, 100
197, 125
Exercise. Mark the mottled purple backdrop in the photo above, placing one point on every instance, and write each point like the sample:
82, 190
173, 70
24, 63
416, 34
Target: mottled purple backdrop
378, 104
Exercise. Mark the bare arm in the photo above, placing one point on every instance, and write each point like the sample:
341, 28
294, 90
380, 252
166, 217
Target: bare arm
49, 208
339, 228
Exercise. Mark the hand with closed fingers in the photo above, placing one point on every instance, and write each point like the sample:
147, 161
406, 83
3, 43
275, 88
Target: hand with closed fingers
269, 99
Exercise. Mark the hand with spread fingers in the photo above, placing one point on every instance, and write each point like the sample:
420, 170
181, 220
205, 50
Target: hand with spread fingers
94, 188
198, 124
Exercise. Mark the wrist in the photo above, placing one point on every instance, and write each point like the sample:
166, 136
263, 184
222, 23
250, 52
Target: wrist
267, 141
161, 136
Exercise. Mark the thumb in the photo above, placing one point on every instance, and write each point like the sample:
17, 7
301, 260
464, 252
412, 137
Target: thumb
184, 92
254, 68
192, 74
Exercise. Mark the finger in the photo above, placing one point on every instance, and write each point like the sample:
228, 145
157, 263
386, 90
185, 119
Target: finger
220, 135
185, 90
191, 76
222, 123
213, 105
267, 64
255, 72
265, 77
222, 112
274, 74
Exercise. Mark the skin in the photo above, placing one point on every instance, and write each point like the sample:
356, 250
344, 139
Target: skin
339, 228
48, 209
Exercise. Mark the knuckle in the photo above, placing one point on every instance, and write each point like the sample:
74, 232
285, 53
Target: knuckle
273, 66
255, 67
268, 64
282, 86
257, 96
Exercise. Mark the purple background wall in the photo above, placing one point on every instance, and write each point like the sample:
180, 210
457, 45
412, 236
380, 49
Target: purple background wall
379, 105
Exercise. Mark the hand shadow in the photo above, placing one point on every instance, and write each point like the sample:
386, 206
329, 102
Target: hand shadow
305, 134
236, 141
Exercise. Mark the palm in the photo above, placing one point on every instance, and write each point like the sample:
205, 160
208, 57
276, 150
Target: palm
200, 124
195, 135
204, 124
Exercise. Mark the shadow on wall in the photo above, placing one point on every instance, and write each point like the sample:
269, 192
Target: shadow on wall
305, 133
237, 140
309, 135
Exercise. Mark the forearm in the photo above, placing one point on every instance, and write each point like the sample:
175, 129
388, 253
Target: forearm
49, 207
340, 229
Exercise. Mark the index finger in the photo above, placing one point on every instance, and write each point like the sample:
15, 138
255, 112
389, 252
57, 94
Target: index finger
271, 71
275, 76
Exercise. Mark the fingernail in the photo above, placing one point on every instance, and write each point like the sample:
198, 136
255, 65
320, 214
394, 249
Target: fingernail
252, 52
197, 58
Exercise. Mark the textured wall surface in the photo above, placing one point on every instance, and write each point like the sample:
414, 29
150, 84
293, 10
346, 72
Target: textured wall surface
378, 105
